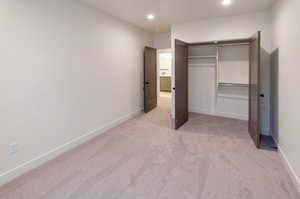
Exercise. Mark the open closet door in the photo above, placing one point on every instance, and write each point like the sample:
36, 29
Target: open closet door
150, 79
254, 89
181, 83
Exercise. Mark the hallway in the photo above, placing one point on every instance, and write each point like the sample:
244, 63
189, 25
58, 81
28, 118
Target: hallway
144, 158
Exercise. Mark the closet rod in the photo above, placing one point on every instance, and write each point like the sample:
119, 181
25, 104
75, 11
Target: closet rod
222, 45
222, 42
234, 44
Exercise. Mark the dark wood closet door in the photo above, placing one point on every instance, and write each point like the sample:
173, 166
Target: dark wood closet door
181, 83
254, 89
150, 79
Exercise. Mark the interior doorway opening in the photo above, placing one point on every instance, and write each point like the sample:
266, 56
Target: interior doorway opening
164, 75
158, 86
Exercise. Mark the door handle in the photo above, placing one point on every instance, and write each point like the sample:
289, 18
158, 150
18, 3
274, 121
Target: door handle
174, 88
262, 95
147, 83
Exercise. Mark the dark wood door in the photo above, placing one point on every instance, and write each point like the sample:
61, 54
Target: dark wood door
181, 83
254, 89
150, 79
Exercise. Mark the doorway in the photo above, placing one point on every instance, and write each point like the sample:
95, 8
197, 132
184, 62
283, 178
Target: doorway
164, 73
164, 81
157, 86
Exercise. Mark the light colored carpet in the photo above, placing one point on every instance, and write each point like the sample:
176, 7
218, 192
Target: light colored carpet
144, 158
165, 94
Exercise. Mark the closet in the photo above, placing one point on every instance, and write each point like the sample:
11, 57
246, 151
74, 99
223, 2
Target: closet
219, 78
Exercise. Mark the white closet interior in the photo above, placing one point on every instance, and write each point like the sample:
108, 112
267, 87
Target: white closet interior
218, 80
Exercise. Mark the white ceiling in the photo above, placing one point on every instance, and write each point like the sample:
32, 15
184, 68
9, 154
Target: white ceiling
168, 12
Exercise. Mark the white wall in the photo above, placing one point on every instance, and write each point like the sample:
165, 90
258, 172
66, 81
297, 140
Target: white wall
234, 64
225, 28
286, 39
64, 69
162, 40
202, 98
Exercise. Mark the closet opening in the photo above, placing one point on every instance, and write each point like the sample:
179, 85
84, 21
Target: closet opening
220, 78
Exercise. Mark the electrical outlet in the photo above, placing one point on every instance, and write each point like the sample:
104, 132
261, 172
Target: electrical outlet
13, 148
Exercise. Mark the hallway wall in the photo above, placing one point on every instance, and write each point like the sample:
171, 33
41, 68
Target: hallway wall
162, 40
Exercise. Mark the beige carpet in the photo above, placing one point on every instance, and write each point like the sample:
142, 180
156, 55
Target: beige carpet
165, 94
209, 158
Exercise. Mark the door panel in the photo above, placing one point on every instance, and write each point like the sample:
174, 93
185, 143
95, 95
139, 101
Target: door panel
150, 79
181, 83
254, 89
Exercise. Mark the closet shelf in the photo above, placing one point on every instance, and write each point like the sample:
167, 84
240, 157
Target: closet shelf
231, 96
202, 57
202, 64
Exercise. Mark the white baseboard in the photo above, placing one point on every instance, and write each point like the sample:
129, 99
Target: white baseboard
200, 111
290, 169
38, 161
266, 132
220, 114
232, 115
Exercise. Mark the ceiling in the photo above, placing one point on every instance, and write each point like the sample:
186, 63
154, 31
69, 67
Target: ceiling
168, 12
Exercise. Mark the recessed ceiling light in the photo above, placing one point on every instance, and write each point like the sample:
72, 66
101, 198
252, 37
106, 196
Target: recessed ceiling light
150, 16
226, 2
